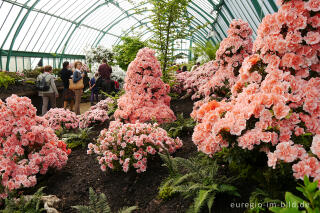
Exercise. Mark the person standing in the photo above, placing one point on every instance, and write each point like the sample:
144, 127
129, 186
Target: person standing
184, 68
195, 66
77, 76
68, 95
105, 70
94, 88
52, 93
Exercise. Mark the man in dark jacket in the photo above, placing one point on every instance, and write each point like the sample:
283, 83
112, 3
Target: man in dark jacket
68, 95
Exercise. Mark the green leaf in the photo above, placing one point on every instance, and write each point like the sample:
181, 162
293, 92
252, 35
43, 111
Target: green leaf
210, 202
200, 199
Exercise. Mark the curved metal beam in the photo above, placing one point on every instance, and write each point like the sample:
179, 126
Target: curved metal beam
71, 34
112, 22
18, 31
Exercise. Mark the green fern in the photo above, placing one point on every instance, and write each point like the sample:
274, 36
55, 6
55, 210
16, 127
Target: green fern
179, 127
197, 177
21, 205
80, 138
98, 204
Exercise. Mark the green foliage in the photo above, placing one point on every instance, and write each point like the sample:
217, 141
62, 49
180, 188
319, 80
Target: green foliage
170, 21
208, 52
259, 199
114, 96
80, 138
179, 127
21, 205
6, 79
98, 204
30, 82
31, 73
197, 177
127, 51
309, 204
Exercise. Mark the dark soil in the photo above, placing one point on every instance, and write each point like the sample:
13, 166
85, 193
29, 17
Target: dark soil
71, 184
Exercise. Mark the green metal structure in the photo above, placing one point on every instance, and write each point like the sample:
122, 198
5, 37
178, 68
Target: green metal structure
59, 30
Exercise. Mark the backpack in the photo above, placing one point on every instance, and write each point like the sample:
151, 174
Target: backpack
42, 85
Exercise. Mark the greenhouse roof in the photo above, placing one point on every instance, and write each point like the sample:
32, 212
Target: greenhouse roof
68, 26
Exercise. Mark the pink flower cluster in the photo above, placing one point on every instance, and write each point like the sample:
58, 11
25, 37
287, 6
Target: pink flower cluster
276, 100
92, 117
192, 81
28, 146
60, 118
97, 114
180, 78
123, 146
146, 96
103, 104
229, 56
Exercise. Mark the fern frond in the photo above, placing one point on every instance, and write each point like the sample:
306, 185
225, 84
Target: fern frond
200, 200
128, 209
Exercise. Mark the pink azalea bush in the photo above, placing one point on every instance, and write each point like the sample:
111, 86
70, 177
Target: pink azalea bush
93, 117
124, 146
146, 96
229, 56
103, 104
275, 103
28, 145
195, 79
60, 118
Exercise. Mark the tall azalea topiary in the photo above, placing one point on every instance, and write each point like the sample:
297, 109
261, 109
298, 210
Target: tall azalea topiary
146, 96
216, 77
275, 103
28, 145
230, 55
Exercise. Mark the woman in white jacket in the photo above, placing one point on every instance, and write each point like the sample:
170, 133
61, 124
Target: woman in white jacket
52, 93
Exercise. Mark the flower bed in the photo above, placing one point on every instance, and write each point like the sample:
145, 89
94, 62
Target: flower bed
28, 146
275, 103
123, 146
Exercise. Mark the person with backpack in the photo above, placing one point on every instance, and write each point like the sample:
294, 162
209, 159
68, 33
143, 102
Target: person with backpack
47, 89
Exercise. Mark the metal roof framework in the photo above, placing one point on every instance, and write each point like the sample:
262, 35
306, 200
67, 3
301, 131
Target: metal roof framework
61, 29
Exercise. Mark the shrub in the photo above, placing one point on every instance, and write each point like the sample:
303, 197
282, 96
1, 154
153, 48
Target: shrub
230, 56
93, 117
123, 146
28, 146
6, 80
215, 78
146, 96
275, 103
59, 118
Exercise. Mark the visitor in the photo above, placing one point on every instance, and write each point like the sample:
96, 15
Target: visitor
105, 70
86, 80
94, 88
184, 68
68, 95
195, 66
77, 76
52, 93
106, 86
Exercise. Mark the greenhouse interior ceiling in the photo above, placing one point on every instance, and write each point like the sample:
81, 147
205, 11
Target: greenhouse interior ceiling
55, 30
